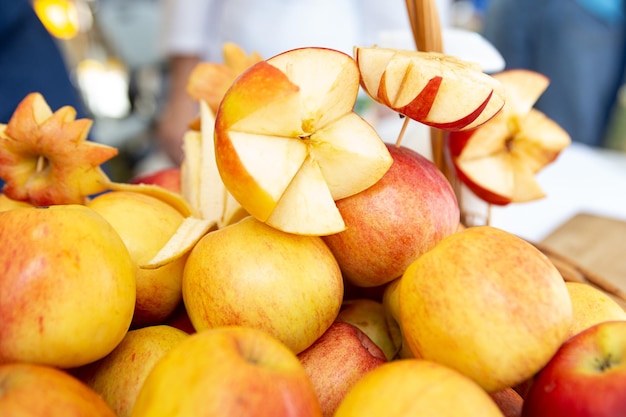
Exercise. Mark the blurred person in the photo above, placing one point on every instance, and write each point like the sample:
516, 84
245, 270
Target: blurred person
579, 44
195, 31
31, 61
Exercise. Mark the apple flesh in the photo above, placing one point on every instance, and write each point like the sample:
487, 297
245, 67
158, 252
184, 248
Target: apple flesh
228, 371
337, 360
437, 90
499, 160
288, 143
390, 224
586, 376
486, 303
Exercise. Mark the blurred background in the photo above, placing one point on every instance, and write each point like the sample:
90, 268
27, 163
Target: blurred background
112, 48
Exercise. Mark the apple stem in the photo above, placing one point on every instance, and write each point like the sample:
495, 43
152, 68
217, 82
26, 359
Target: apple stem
41, 163
405, 124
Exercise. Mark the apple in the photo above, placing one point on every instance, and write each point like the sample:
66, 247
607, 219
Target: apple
68, 286
391, 304
370, 317
337, 360
509, 401
168, 178
591, 306
288, 142
390, 224
209, 81
416, 387
45, 157
145, 224
498, 161
7, 203
38, 390
251, 274
119, 376
585, 377
437, 90
180, 319
486, 303
228, 371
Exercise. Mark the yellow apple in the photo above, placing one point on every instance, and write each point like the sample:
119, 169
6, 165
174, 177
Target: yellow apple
337, 360
390, 224
145, 224
39, 390
370, 317
251, 274
228, 371
68, 286
288, 143
434, 89
391, 303
498, 161
486, 303
119, 376
591, 306
416, 387
7, 203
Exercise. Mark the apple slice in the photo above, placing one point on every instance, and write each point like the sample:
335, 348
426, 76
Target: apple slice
288, 143
437, 90
499, 160
45, 157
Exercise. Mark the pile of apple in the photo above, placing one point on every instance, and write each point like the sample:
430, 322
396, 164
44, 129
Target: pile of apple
295, 264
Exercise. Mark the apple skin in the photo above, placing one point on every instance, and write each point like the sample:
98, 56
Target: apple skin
390, 224
251, 274
168, 178
145, 224
39, 390
486, 303
7, 203
68, 286
119, 376
416, 387
337, 360
228, 371
585, 378
591, 306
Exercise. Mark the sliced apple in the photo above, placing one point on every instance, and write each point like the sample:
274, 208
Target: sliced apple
499, 160
45, 157
437, 90
288, 143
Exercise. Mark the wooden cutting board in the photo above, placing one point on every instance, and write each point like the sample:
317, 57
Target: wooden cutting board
591, 248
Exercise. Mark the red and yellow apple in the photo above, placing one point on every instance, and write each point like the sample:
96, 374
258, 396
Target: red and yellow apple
416, 387
437, 90
254, 275
119, 376
585, 377
288, 143
68, 286
390, 224
591, 306
168, 178
145, 224
228, 371
498, 161
337, 360
39, 390
486, 303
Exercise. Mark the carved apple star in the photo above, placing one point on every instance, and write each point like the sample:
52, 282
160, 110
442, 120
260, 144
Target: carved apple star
45, 158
